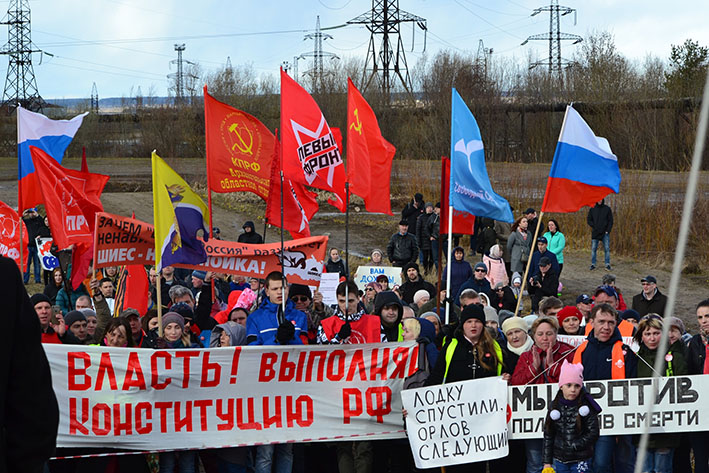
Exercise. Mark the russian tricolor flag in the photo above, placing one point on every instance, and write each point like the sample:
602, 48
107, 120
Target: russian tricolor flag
52, 136
584, 170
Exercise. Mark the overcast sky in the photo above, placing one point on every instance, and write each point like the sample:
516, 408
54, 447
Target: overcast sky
83, 35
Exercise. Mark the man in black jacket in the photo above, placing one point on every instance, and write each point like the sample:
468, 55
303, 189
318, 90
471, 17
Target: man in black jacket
423, 238
600, 219
413, 282
544, 283
250, 235
650, 300
402, 247
413, 209
35, 227
29, 414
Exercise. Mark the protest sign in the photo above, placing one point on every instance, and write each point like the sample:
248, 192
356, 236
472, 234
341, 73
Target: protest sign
142, 399
367, 274
576, 340
328, 287
44, 250
123, 241
457, 423
679, 401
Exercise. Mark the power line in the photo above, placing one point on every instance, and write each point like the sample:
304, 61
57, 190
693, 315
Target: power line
554, 36
335, 8
486, 21
494, 11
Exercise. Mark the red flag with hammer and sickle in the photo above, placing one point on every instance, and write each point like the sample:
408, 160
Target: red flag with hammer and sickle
239, 149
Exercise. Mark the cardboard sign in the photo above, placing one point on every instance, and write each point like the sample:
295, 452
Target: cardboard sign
367, 274
457, 423
328, 287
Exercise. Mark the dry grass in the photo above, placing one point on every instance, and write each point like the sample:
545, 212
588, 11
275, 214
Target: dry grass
647, 211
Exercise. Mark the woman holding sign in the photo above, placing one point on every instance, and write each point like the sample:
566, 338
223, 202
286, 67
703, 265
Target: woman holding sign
471, 354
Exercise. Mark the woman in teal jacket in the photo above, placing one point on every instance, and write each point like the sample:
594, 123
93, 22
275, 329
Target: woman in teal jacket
556, 242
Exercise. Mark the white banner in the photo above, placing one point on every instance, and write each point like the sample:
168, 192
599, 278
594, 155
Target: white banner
170, 399
457, 423
680, 405
44, 250
576, 340
367, 274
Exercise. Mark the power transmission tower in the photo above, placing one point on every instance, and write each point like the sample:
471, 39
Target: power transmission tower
554, 62
385, 20
482, 58
228, 66
317, 72
94, 99
20, 83
179, 77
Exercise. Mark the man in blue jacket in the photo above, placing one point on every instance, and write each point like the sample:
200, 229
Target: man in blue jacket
271, 325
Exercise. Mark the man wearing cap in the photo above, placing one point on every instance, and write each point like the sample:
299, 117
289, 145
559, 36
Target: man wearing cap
250, 236
543, 251
584, 304
650, 299
608, 279
477, 281
600, 219
402, 247
544, 283
414, 283
136, 329
423, 238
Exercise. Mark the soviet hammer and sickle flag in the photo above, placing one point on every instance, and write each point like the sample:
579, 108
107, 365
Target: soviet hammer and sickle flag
310, 153
239, 149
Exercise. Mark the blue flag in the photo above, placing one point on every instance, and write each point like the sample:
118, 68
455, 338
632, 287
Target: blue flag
470, 188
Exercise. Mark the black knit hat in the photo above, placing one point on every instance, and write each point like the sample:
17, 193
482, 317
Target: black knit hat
73, 316
39, 297
473, 311
183, 309
299, 290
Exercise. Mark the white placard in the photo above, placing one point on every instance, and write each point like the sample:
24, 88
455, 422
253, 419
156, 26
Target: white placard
367, 274
457, 423
328, 287
44, 250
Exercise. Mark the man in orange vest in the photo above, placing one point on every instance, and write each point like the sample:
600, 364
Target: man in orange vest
605, 356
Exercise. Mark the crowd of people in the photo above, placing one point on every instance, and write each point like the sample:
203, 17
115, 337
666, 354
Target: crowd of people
479, 337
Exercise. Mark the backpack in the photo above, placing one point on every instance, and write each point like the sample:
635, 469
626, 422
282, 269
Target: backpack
421, 374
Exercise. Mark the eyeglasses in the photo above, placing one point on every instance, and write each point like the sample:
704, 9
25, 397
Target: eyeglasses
480, 271
369, 289
300, 298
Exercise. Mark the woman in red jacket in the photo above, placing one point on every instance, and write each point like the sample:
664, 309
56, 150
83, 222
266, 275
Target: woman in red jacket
541, 364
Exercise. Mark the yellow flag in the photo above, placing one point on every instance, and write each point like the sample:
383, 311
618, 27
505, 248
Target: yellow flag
179, 214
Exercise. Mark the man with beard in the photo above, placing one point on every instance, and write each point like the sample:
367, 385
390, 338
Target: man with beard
414, 283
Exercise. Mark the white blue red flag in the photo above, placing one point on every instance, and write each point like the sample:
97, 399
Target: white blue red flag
470, 188
584, 170
51, 136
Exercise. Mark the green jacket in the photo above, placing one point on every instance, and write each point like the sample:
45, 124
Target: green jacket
556, 244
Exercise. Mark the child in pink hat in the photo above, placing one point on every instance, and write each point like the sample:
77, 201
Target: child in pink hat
571, 427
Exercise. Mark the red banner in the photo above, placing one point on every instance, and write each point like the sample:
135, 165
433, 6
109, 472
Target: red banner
125, 241
10, 235
239, 149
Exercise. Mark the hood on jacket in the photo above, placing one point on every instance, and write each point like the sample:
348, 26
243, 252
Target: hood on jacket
405, 269
249, 224
236, 332
385, 298
428, 330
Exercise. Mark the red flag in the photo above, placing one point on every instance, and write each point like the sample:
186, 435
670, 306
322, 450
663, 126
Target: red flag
310, 152
70, 208
81, 256
239, 149
133, 290
299, 204
463, 222
84, 164
10, 223
369, 155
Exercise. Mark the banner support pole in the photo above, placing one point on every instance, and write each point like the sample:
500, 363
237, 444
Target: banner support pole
448, 273
440, 249
158, 293
347, 248
529, 263
283, 257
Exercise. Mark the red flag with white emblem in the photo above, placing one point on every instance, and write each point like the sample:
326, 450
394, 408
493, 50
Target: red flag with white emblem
311, 155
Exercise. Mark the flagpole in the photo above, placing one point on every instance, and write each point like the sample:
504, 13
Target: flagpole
440, 249
93, 266
347, 247
209, 183
25, 267
448, 275
158, 292
529, 263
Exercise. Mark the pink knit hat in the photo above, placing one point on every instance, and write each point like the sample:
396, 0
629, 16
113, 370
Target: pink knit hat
571, 373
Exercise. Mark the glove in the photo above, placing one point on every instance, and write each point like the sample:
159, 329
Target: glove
285, 332
345, 331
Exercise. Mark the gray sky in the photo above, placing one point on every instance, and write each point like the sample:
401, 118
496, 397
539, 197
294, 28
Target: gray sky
83, 34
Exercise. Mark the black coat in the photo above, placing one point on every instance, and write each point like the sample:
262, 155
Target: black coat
561, 438
402, 249
412, 213
423, 235
250, 238
35, 227
550, 285
462, 362
508, 301
696, 353
336, 267
600, 219
409, 288
434, 225
656, 305
29, 414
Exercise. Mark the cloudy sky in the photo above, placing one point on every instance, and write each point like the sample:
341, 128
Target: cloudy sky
123, 44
